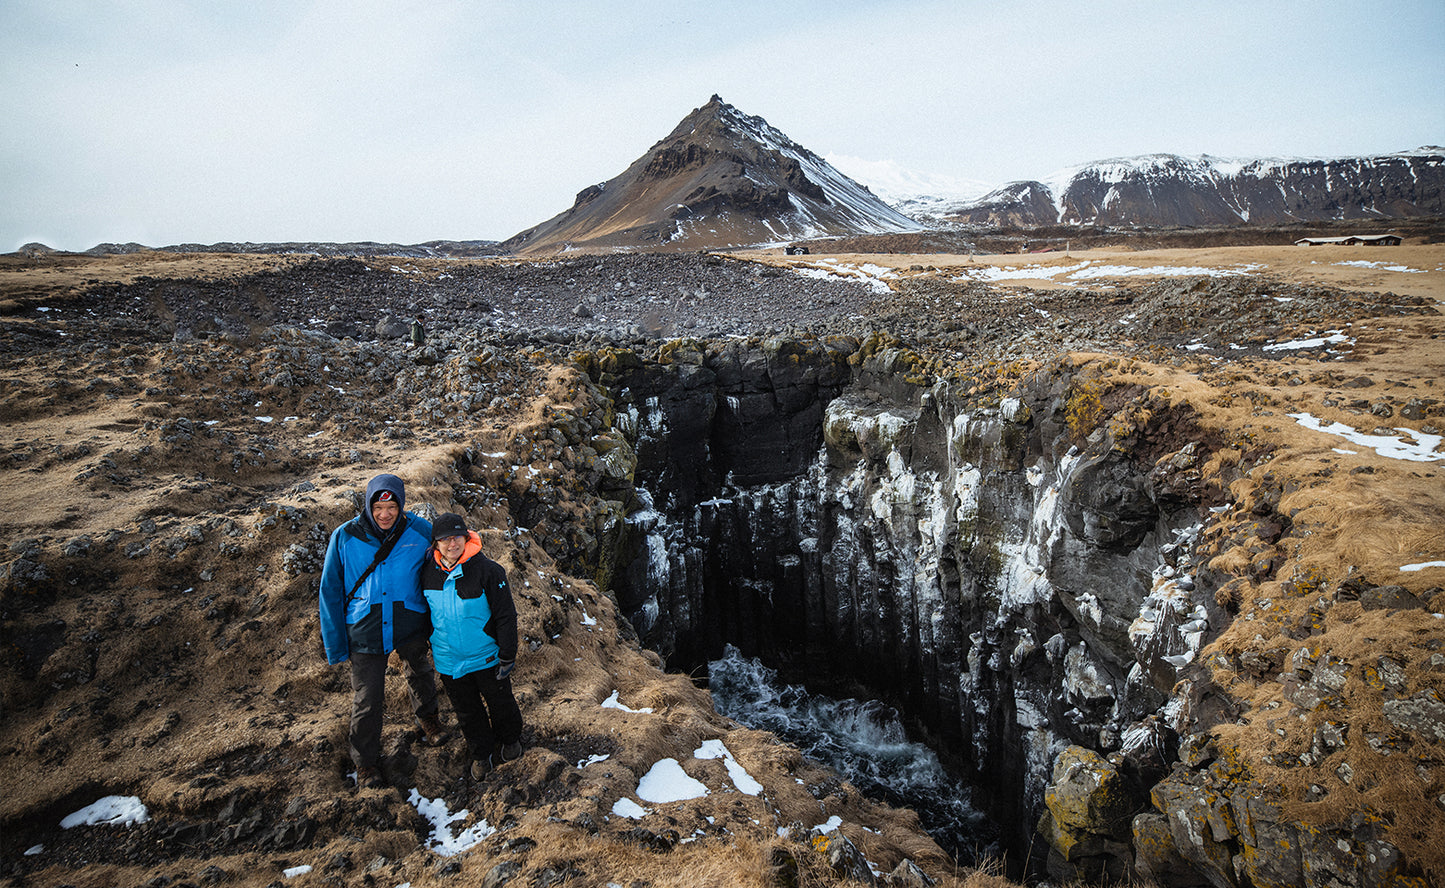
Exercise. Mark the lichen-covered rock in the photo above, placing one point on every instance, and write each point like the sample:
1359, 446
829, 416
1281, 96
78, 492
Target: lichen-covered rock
1423, 714
1089, 795
853, 425
1156, 857
844, 857
1210, 818
1271, 853
1090, 807
1202, 826
1075, 855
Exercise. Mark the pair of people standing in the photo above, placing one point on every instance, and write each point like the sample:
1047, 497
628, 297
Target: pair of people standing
392, 581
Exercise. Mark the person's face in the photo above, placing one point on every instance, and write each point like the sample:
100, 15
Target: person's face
451, 547
385, 513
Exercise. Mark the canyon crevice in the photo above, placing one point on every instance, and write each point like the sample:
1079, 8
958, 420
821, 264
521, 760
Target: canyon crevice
1015, 566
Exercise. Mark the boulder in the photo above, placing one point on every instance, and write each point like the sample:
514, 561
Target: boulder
1423, 715
1090, 809
1089, 795
1389, 598
1157, 858
908, 875
844, 857
1202, 826
390, 327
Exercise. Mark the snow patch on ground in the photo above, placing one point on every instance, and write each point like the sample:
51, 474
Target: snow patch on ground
875, 277
668, 782
443, 841
614, 702
1087, 270
714, 749
109, 811
1334, 337
1411, 568
625, 807
1364, 263
1420, 449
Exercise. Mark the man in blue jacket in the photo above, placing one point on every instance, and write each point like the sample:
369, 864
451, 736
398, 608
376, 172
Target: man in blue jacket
371, 605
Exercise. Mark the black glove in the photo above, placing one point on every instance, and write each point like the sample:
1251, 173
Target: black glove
504, 668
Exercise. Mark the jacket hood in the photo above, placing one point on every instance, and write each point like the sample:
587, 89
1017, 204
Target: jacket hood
374, 487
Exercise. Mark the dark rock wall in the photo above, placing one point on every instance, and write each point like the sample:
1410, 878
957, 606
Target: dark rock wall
1011, 590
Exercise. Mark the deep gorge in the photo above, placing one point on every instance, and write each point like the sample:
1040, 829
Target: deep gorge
1009, 576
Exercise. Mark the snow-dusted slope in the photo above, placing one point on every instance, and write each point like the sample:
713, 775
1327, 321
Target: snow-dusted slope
847, 201
1169, 189
913, 193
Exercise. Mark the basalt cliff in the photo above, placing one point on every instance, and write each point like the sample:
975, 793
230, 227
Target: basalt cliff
1154, 568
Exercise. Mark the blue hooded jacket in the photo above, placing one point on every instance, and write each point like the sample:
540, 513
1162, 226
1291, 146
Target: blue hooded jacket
388, 610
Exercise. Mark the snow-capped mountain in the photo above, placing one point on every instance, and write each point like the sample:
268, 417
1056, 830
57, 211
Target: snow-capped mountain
720, 179
916, 194
1173, 190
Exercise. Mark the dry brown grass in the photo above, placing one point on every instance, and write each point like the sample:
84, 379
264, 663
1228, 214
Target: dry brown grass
1345, 516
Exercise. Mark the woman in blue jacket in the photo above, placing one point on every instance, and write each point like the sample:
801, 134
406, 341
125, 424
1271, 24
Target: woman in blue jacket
474, 641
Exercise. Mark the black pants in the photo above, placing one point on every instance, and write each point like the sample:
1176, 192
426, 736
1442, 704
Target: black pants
368, 693
486, 710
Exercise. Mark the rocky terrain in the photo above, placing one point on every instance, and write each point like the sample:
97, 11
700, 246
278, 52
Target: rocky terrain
181, 431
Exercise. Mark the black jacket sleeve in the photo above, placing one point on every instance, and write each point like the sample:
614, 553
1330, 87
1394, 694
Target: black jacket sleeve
503, 625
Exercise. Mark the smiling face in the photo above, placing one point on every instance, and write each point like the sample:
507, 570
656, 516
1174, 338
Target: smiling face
451, 548
385, 513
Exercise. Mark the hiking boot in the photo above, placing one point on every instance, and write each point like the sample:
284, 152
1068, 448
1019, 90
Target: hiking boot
511, 752
369, 777
432, 732
480, 767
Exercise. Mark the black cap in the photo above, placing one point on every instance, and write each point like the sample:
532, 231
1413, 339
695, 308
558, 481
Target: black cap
448, 525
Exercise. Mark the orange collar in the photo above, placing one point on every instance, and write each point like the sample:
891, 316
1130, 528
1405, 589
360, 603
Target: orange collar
473, 546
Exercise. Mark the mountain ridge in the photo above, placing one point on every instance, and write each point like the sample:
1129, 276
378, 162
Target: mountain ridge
1191, 190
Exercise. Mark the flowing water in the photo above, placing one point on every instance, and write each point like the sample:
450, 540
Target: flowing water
863, 740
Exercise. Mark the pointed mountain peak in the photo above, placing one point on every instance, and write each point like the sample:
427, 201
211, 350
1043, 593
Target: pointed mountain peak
720, 179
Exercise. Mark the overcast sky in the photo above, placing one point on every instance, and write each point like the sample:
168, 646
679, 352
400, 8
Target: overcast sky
293, 120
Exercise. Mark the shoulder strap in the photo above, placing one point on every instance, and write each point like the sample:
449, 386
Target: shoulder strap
381, 553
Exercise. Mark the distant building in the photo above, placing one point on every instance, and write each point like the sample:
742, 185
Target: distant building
1352, 240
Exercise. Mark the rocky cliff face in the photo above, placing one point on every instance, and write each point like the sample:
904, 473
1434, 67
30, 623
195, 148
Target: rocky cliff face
1169, 190
1016, 569
1009, 584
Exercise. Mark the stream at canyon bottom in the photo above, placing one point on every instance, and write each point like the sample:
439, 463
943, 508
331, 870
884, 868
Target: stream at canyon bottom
863, 741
